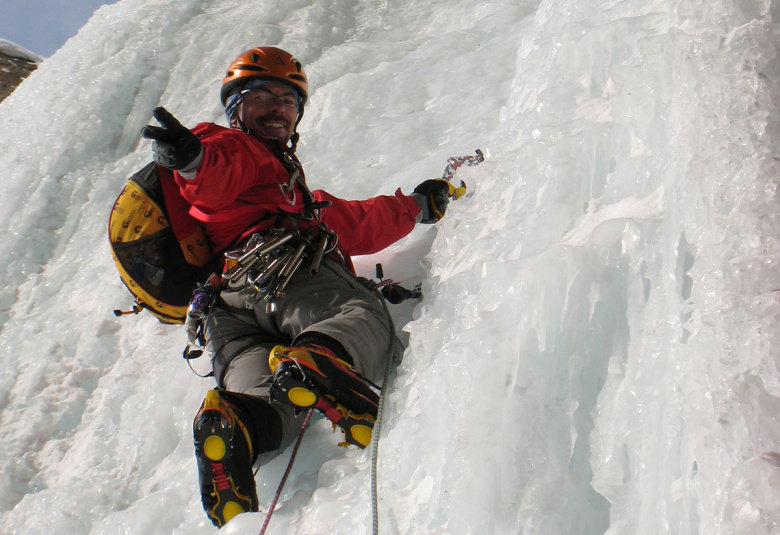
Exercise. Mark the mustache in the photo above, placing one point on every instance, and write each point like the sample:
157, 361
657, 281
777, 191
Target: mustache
273, 118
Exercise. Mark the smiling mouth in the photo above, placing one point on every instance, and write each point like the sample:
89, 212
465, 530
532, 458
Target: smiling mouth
272, 123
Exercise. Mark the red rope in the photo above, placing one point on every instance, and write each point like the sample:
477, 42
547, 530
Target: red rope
286, 474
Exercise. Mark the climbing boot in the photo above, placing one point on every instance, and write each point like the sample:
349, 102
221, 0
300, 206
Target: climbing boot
313, 377
224, 451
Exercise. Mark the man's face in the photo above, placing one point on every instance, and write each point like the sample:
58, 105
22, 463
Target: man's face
270, 111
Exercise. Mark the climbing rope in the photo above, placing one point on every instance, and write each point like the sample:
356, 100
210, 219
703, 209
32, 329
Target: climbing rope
286, 473
393, 354
375, 443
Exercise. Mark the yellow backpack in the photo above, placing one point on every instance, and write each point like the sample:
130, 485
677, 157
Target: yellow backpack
160, 250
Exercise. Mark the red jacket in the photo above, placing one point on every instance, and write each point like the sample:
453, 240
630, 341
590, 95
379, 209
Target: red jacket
239, 183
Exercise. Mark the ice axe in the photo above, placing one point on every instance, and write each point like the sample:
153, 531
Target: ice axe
453, 164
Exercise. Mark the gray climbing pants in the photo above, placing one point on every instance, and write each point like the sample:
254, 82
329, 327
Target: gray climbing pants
240, 333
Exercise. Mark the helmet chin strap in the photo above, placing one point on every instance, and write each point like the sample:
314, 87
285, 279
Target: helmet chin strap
295, 135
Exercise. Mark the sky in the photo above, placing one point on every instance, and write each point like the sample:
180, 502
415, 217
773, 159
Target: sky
597, 349
43, 26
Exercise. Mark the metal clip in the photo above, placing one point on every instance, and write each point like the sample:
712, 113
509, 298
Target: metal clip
290, 201
289, 188
294, 261
252, 257
319, 254
263, 278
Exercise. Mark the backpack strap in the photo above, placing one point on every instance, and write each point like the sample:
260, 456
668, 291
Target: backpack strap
187, 229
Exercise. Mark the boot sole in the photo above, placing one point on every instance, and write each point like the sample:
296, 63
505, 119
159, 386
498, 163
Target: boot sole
351, 391
290, 389
212, 440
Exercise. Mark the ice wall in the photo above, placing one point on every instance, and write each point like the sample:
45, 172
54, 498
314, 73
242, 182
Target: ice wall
596, 350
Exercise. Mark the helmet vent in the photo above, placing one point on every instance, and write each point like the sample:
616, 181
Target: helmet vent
254, 57
256, 68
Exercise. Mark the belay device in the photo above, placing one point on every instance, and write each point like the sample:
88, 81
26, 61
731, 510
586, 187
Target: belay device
161, 251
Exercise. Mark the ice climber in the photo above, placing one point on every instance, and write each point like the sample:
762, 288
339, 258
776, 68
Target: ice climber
291, 327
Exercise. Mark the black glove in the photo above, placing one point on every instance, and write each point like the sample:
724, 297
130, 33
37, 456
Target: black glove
174, 145
432, 196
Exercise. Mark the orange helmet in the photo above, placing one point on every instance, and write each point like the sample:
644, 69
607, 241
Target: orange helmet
265, 63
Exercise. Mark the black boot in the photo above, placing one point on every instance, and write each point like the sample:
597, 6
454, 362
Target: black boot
223, 446
314, 377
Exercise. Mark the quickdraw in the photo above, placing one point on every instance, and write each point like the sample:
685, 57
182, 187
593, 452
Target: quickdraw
270, 260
